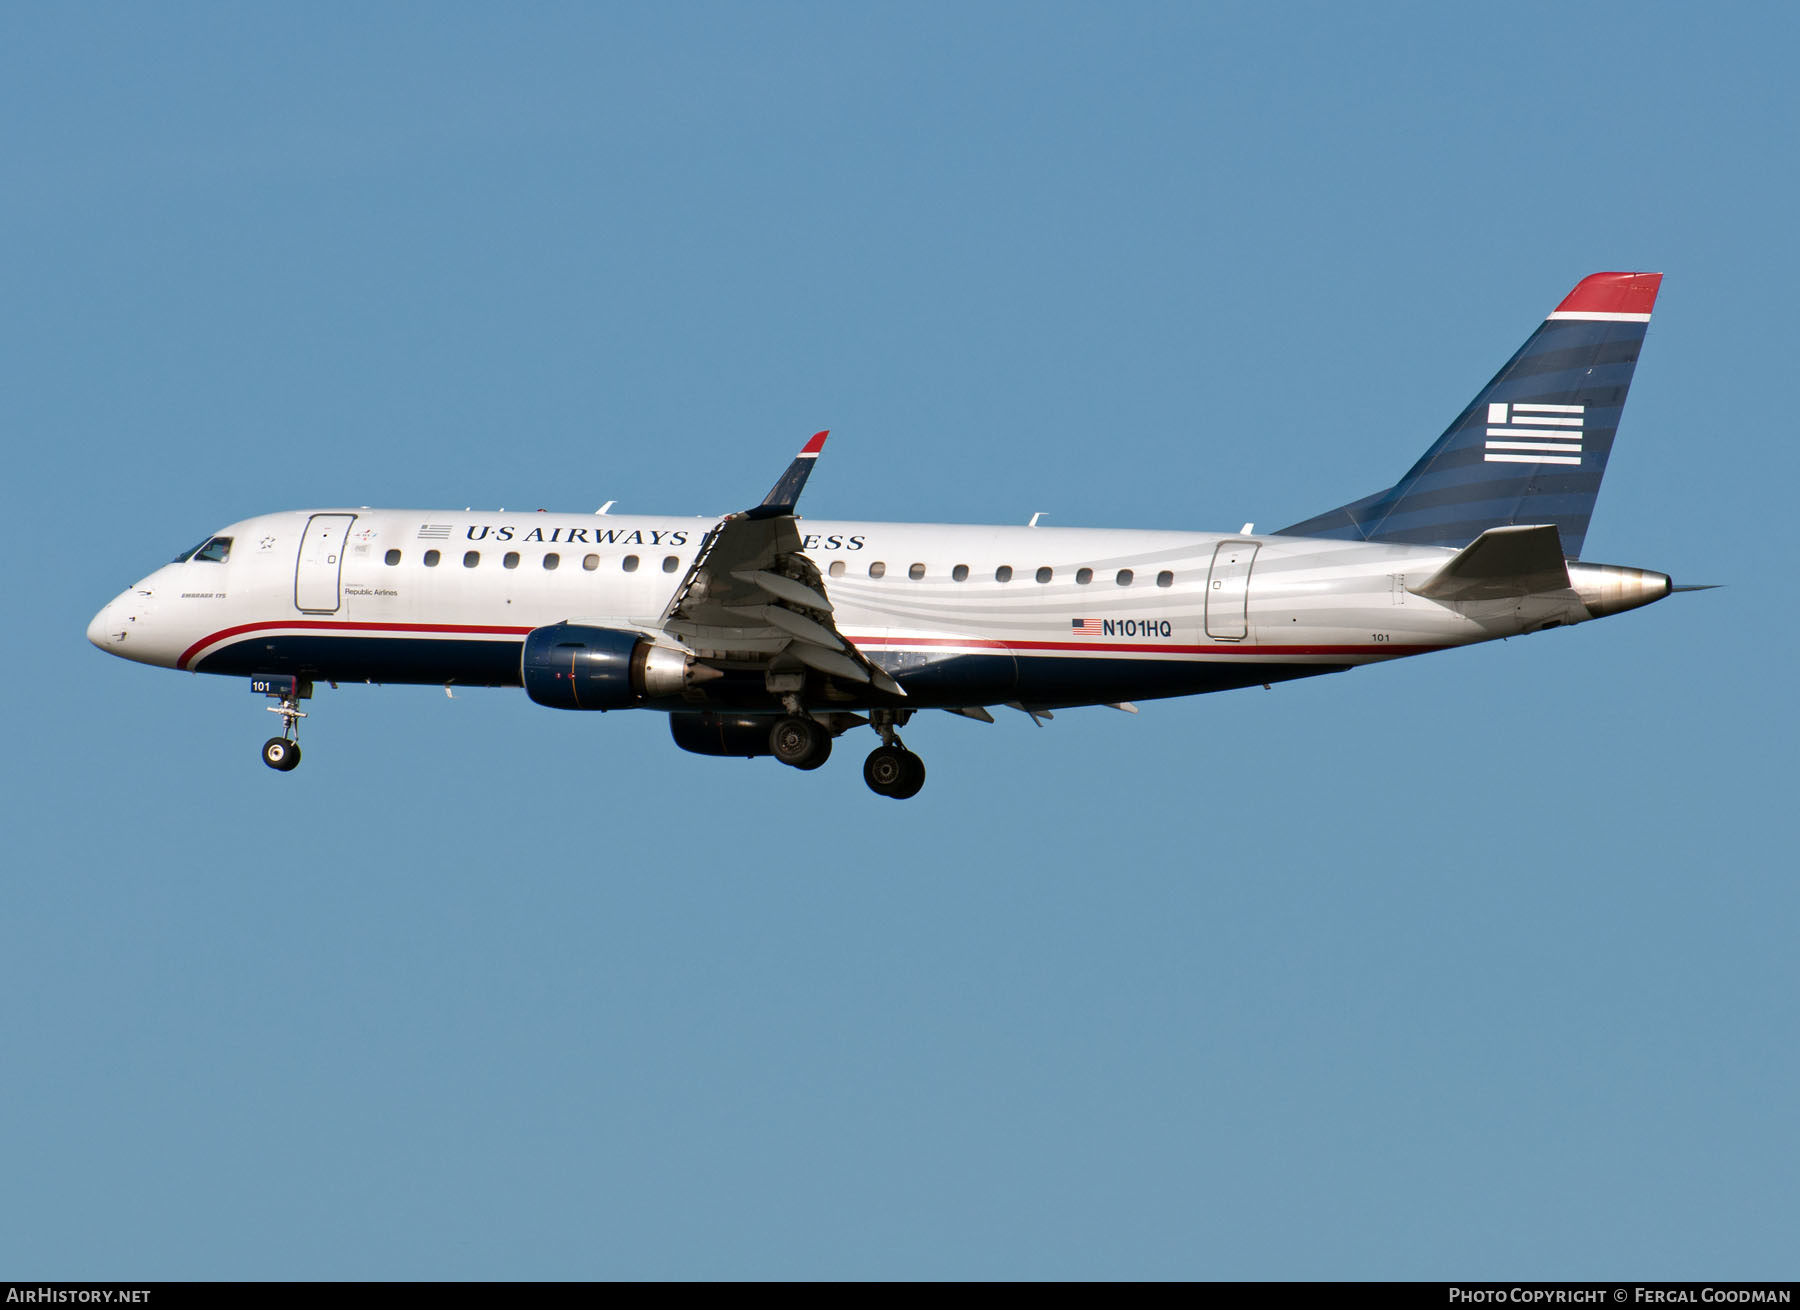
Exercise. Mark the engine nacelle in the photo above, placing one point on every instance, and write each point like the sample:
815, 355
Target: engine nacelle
571, 667
707, 733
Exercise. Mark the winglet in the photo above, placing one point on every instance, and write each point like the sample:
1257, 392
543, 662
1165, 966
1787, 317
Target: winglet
785, 494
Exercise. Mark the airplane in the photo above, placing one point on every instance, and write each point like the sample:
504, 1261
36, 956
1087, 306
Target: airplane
765, 634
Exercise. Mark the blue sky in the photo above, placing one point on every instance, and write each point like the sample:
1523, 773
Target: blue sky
1476, 965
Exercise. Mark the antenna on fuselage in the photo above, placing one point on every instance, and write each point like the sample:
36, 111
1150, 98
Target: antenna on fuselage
1035, 517
609, 504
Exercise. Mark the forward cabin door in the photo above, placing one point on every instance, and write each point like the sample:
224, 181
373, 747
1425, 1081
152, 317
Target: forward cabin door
1228, 591
321, 563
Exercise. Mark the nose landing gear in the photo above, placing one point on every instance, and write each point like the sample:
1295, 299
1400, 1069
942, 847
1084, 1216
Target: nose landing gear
283, 753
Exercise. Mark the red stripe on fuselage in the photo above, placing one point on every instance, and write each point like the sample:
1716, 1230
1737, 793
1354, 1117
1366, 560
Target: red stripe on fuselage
463, 629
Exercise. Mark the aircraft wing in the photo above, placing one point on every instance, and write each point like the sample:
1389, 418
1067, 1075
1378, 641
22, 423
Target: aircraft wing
752, 595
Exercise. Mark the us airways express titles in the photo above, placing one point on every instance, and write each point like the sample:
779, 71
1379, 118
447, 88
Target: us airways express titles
761, 634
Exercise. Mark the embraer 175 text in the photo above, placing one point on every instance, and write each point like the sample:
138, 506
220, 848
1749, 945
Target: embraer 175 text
765, 634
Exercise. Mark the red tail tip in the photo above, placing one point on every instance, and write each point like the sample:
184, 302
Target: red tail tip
817, 444
1613, 293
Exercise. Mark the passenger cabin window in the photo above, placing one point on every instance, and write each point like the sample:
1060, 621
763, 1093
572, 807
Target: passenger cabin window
1044, 575
837, 568
878, 570
670, 563
392, 557
1124, 578
216, 551
471, 558
431, 559
552, 560
916, 572
1165, 579
960, 573
590, 562
630, 563
1084, 576
1003, 573
511, 559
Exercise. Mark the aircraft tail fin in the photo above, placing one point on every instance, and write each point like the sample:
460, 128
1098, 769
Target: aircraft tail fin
1532, 446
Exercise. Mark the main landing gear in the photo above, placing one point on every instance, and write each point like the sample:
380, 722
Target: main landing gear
283, 753
891, 769
802, 742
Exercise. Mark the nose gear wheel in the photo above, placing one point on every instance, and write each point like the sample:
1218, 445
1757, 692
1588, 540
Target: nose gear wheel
283, 753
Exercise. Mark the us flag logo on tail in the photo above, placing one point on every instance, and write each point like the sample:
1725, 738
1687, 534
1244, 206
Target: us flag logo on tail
1534, 434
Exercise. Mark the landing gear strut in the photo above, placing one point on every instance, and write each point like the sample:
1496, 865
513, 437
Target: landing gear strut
283, 753
891, 769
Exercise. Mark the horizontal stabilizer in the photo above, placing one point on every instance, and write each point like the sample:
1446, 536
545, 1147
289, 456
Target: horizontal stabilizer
1501, 562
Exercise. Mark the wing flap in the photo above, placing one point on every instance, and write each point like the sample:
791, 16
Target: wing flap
790, 621
976, 712
828, 661
782, 588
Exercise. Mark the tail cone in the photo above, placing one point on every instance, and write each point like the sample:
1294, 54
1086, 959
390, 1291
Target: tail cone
1609, 589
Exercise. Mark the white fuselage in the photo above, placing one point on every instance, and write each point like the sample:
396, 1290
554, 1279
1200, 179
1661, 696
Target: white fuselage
960, 615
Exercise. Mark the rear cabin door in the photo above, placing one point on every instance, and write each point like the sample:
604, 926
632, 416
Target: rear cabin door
321, 563
1228, 591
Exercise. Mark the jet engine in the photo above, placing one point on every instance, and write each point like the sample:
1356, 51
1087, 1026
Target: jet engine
568, 666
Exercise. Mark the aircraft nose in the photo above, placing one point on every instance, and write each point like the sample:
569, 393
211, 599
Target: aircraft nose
107, 629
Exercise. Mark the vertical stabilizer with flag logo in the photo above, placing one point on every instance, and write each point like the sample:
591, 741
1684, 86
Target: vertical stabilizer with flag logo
1532, 447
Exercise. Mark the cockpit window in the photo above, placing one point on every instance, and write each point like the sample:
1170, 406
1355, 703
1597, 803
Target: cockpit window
214, 550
